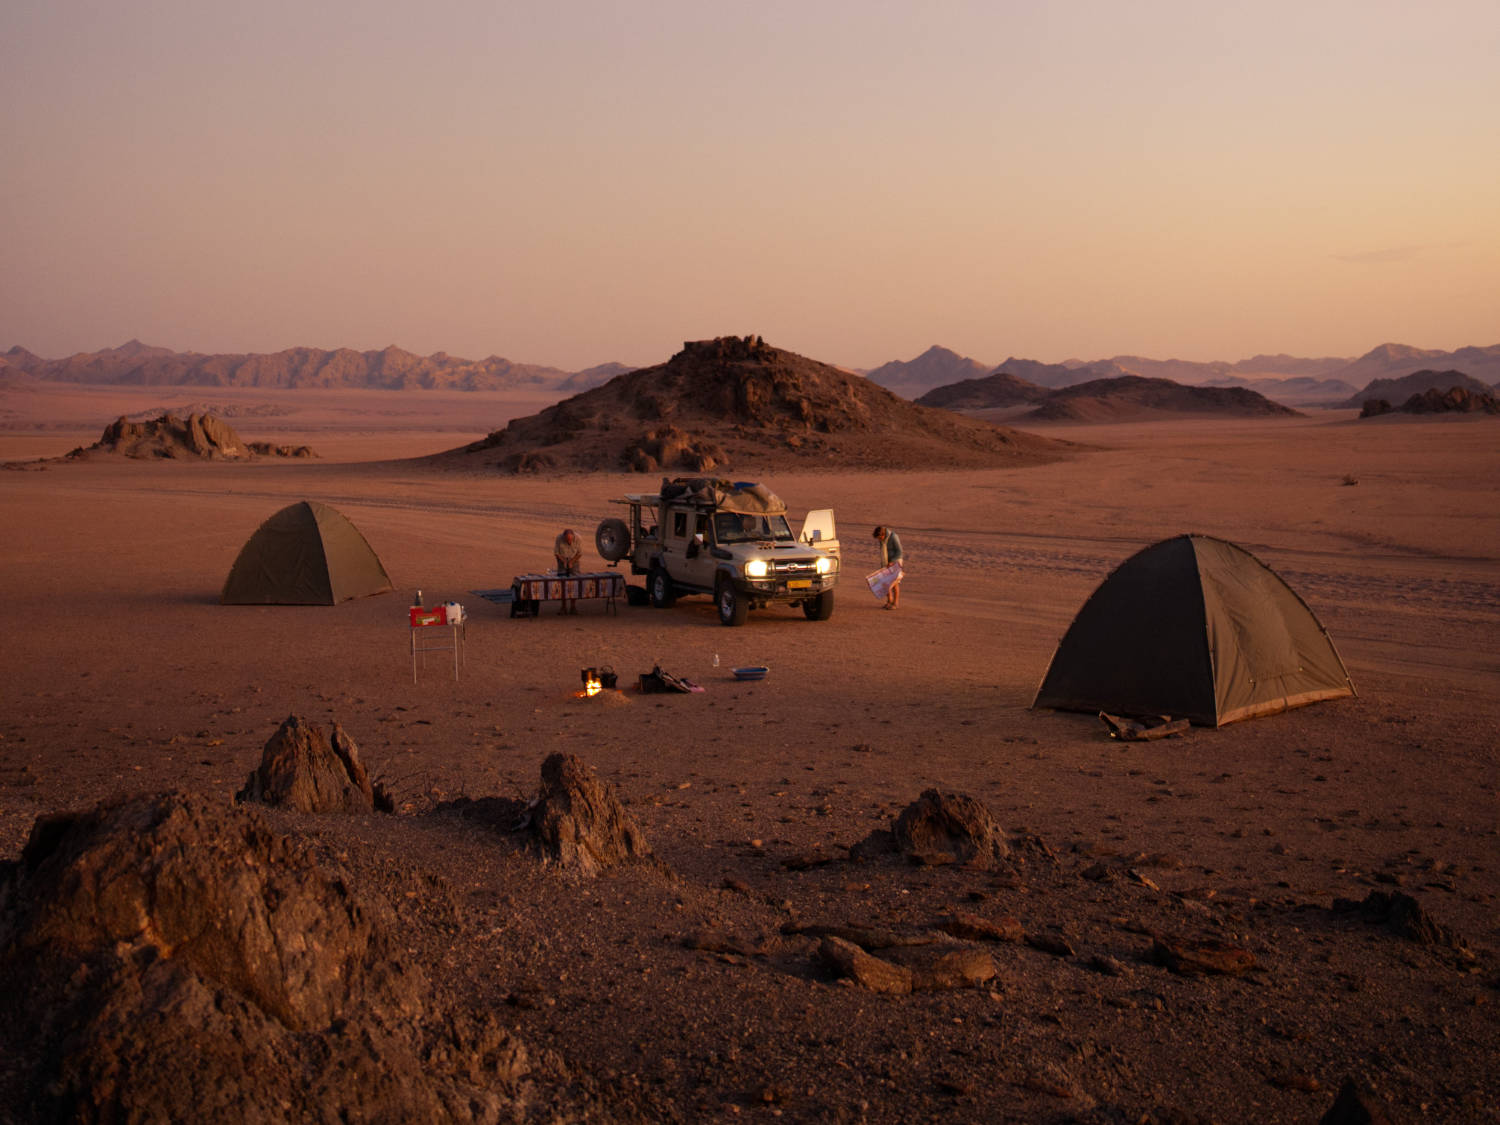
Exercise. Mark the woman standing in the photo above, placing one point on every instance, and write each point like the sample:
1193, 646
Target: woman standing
890, 555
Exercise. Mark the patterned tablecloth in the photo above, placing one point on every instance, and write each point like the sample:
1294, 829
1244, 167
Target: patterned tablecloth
550, 588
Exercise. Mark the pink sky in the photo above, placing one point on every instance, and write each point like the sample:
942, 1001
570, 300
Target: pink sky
576, 183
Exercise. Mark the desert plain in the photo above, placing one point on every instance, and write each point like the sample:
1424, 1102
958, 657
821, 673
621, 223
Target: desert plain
693, 990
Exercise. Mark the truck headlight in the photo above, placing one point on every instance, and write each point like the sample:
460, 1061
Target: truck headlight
825, 564
755, 568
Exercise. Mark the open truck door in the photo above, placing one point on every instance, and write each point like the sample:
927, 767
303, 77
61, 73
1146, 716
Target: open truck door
818, 530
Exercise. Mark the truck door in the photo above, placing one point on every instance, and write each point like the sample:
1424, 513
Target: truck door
676, 534
818, 529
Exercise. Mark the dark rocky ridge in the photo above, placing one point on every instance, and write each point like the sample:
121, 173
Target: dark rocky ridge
1455, 400
1131, 395
989, 392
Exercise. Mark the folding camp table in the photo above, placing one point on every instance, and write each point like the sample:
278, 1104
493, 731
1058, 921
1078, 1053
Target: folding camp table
430, 626
530, 590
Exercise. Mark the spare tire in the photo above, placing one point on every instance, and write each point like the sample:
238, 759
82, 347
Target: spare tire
612, 540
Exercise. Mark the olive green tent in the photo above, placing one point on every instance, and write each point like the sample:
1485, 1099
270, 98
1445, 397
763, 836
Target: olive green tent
305, 554
1196, 628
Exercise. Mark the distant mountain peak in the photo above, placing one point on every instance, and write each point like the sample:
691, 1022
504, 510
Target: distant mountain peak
1390, 351
936, 367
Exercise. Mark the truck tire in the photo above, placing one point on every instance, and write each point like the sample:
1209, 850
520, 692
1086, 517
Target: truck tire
663, 596
733, 606
819, 608
612, 539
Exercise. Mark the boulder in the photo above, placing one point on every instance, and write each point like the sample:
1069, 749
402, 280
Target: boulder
973, 927
577, 820
305, 769
1201, 958
865, 969
937, 968
1404, 916
940, 828
171, 959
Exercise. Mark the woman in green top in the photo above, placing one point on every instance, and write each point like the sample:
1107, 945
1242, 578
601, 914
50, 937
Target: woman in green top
890, 555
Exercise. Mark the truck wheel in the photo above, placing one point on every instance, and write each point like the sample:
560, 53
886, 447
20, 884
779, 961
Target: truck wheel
819, 608
733, 608
662, 594
612, 540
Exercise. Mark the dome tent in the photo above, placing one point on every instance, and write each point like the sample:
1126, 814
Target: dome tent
305, 554
1196, 628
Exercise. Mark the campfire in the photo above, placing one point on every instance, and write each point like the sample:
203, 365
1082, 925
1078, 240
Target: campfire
596, 680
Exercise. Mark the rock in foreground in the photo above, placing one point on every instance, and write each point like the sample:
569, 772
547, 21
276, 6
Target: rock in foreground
304, 769
578, 822
173, 960
940, 828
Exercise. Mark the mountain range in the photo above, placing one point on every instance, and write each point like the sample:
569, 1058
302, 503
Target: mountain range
1283, 378
138, 364
1287, 379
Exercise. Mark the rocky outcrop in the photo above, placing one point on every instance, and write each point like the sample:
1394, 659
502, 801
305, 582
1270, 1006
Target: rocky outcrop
271, 449
578, 822
940, 828
304, 769
667, 447
202, 437
171, 959
1454, 400
914, 966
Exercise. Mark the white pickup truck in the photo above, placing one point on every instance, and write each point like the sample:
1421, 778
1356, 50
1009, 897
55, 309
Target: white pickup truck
732, 541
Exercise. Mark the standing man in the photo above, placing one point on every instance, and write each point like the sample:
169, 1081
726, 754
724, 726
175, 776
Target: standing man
890, 555
569, 555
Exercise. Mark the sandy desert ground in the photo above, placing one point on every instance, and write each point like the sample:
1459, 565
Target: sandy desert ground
120, 673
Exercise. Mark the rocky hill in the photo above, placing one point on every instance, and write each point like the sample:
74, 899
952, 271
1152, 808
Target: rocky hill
741, 404
1418, 382
1129, 397
989, 392
137, 364
1066, 374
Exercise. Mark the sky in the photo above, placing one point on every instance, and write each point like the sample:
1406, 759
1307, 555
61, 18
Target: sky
854, 180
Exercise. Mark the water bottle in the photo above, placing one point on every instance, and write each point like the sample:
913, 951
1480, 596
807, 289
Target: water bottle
418, 601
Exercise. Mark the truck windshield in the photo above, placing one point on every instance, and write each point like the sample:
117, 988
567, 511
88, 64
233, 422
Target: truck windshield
730, 527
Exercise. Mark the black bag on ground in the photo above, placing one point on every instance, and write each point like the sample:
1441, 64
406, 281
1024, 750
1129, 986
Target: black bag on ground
657, 681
